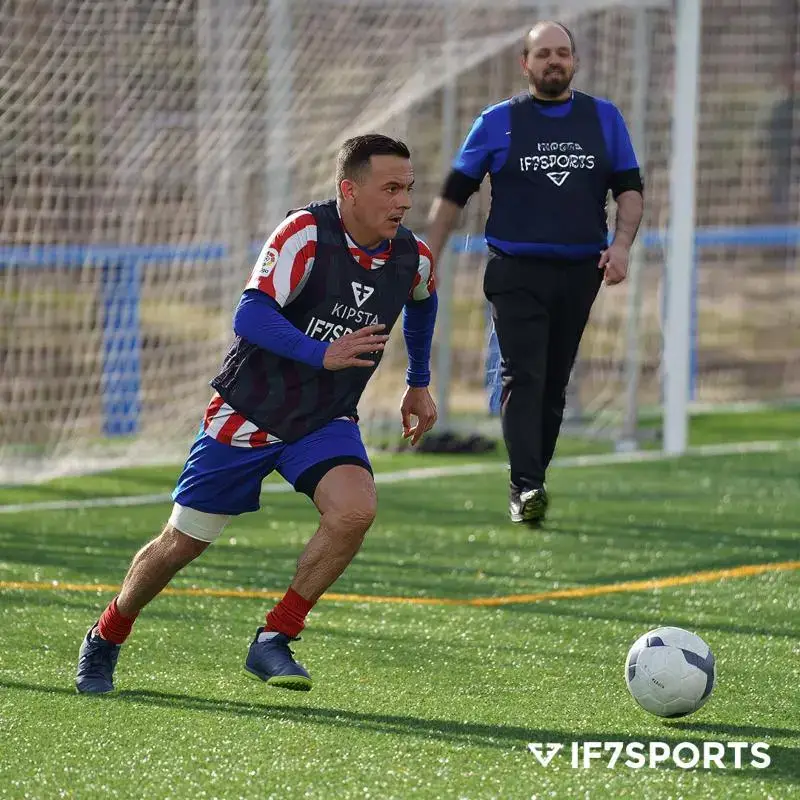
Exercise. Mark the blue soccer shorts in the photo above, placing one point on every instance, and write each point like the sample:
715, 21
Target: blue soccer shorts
220, 481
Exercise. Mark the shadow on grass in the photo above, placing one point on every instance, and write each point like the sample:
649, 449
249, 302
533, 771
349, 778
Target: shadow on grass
785, 760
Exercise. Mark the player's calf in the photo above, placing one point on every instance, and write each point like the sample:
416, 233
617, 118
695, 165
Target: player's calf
151, 570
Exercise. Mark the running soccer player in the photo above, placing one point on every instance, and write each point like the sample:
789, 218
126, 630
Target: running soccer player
310, 329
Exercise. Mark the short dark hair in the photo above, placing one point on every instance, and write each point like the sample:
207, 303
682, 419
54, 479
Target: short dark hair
354, 155
525, 46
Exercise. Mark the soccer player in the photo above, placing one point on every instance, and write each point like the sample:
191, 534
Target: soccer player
552, 154
327, 288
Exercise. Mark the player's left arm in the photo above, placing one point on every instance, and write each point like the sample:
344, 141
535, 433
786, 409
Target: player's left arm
419, 319
627, 188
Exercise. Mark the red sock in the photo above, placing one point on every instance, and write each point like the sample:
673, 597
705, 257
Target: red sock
113, 627
289, 616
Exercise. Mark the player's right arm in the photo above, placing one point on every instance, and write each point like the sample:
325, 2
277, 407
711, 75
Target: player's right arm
280, 273
285, 261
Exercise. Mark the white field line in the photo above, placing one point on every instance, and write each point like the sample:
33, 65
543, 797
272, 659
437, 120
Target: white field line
427, 473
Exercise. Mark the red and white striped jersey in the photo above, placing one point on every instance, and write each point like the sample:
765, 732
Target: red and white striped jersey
281, 271
287, 257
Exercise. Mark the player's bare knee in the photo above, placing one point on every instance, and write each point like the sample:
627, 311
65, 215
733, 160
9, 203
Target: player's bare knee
347, 501
352, 520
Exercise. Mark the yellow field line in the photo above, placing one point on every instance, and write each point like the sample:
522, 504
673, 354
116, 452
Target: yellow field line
576, 593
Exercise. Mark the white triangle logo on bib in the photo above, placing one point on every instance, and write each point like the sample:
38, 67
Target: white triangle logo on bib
361, 293
558, 178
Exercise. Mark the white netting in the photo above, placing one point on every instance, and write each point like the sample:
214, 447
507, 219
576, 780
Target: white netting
149, 147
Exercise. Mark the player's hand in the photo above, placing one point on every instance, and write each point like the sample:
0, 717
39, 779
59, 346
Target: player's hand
345, 351
417, 402
614, 263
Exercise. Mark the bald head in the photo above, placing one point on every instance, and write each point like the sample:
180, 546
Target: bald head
548, 60
549, 33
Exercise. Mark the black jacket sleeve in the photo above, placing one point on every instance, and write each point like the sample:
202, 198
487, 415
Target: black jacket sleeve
458, 188
629, 180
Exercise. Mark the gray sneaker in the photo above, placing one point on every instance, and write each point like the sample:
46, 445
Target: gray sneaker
528, 505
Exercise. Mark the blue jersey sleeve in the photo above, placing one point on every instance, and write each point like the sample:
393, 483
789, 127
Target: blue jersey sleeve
258, 319
618, 140
623, 153
486, 147
419, 319
473, 158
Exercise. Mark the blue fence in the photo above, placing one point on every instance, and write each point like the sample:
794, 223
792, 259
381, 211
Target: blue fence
121, 282
122, 267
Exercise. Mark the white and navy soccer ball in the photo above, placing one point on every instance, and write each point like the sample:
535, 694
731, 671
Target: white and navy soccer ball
670, 672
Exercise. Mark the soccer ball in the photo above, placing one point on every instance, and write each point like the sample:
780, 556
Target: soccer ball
670, 672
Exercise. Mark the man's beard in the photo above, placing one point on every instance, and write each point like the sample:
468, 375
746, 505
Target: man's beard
552, 84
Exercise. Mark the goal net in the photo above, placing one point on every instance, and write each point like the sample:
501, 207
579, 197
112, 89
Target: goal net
150, 147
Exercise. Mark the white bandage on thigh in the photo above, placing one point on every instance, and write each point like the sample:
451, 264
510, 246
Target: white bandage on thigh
197, 524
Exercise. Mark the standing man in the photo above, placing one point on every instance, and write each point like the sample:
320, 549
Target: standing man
552, 154
310, 329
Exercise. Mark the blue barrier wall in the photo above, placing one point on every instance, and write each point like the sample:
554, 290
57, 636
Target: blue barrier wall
121, 291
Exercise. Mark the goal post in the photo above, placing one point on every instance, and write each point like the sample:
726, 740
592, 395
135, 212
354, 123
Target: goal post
680, 262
